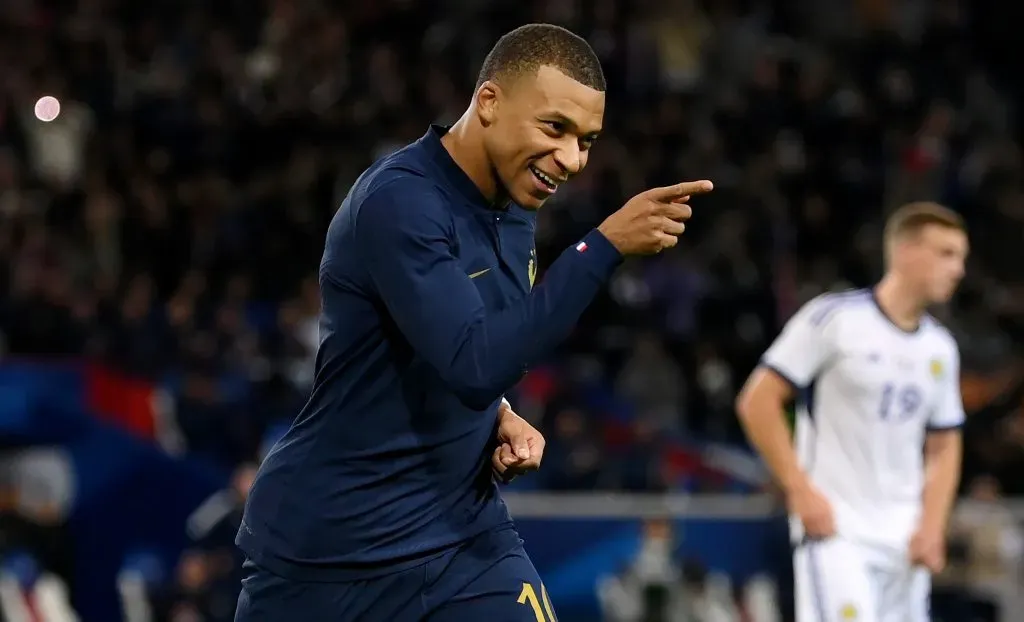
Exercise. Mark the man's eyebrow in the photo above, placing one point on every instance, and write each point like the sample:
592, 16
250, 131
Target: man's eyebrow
561, 118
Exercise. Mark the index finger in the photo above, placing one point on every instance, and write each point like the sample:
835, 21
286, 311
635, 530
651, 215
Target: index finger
669, 193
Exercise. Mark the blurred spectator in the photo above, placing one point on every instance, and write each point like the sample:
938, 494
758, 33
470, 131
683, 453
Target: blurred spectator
577, 460
987, 552
641, 467
656, 588
30, 592
653, 383
648, 590
37, 491
208, 576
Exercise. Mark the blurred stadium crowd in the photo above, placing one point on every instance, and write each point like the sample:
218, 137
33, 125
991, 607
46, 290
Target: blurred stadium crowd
169, 222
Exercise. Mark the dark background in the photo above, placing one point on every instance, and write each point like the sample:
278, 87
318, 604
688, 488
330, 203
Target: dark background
165, 231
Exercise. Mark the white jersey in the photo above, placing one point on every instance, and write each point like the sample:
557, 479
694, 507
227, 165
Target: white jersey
869, 391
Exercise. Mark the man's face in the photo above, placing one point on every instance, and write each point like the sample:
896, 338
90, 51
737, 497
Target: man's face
935, 260
538, 132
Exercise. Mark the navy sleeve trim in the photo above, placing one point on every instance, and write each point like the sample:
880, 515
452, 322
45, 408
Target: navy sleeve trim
602, 258
781, 374
944, 428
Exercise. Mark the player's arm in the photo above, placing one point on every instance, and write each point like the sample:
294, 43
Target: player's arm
761, 406
789, 365
944, 451
404, 232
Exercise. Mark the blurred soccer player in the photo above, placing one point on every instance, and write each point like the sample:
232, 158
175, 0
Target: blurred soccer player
379, 503
876, 379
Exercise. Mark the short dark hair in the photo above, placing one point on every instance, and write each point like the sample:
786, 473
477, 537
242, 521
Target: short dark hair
526, 49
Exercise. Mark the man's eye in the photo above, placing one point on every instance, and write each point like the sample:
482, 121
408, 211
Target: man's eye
556, 126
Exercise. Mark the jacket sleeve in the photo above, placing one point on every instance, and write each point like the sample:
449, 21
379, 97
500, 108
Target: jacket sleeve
404, 230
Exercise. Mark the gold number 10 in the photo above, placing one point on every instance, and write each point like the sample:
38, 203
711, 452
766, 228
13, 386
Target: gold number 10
528, 595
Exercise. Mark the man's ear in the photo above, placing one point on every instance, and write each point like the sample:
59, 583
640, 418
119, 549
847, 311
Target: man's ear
488, 100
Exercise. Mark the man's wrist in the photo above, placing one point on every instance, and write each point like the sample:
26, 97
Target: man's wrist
504, 408
932, 525
794, 483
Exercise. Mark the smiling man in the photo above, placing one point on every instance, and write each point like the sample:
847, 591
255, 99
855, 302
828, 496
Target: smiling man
380, 501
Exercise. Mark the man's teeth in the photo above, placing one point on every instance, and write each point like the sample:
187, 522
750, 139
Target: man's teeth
544, 178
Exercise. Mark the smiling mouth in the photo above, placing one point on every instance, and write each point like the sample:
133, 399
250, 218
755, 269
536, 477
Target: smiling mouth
544, 179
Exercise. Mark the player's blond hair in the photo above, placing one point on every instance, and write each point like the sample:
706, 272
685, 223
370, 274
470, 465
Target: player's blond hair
912, 218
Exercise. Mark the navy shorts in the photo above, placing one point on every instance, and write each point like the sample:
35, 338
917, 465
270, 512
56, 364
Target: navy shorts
489, 578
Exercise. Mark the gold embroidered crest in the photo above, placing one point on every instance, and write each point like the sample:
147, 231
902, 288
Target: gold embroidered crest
531, 268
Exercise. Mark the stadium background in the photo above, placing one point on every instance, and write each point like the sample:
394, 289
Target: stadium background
160, 238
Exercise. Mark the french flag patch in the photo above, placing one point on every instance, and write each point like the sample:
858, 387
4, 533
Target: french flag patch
581, 247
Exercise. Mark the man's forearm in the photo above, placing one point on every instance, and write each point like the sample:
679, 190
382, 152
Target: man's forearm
765, 426
943, 452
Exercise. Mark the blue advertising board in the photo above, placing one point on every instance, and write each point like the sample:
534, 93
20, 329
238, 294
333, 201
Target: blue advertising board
573, 554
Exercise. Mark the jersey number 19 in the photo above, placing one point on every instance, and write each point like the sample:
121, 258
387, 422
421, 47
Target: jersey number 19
899, 403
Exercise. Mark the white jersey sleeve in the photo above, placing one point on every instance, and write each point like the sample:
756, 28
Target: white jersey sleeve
803, 347
949, 411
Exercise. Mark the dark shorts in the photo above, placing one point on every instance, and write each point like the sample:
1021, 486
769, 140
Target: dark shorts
490, 579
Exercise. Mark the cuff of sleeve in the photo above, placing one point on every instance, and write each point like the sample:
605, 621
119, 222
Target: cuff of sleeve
782, 373
599, 254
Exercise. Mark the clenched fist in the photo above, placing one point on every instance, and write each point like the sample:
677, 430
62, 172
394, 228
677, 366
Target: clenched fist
520, 446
